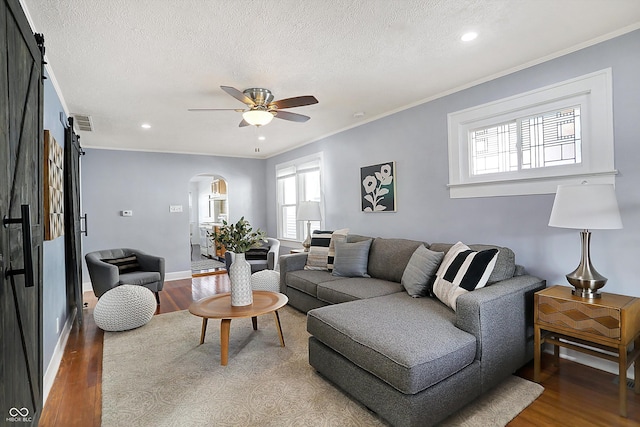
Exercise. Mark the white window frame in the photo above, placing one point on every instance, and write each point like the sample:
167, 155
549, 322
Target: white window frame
300, 196
592, 92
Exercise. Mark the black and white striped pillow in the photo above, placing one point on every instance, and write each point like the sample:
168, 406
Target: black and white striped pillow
319, 250
322, 250
463, 270
125, 264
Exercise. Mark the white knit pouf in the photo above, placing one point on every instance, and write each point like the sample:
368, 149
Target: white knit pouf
124, 307
266, 280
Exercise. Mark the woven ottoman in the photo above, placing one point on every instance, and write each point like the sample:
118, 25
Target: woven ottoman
266, 280
124, 307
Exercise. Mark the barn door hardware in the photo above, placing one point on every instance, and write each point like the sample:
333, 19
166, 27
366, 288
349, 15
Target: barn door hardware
86, 225
25, 222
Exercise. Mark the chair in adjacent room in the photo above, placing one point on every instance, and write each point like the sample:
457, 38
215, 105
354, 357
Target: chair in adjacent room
114, 267
262, 258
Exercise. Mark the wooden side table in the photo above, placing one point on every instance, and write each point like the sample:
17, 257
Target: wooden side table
297, 251
607, 324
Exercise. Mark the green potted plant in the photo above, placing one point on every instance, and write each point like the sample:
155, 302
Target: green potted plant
239, 238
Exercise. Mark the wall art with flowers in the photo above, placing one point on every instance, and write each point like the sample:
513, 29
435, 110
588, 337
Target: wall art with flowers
378, 187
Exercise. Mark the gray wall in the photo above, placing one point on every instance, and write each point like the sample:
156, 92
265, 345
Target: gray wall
148, 183
416, 139
54, 296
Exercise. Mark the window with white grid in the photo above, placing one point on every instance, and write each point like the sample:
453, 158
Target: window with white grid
530, 143
297, 181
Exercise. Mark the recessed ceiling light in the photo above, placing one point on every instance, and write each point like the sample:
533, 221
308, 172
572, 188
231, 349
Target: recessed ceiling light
359, 114
467, 37
145, 126
261, 138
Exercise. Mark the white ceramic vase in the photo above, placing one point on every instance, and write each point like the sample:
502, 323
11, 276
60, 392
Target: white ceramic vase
240, 277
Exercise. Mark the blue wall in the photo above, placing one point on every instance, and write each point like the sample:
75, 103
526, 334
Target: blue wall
54, 296
416, 139
148, 183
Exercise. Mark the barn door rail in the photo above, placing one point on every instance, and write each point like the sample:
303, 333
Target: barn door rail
25, 222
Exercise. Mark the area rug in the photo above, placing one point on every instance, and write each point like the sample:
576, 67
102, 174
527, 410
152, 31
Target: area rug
206, 264
159, 375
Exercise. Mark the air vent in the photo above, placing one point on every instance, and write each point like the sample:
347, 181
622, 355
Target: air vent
83, 122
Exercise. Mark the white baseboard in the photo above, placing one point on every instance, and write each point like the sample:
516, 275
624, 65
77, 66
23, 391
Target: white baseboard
176, 275
592, 361
86, 287
56, 358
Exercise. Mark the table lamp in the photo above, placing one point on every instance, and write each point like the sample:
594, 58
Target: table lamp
586, 206
308, 211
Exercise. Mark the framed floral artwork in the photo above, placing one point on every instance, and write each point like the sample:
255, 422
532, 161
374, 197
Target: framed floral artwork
378, 187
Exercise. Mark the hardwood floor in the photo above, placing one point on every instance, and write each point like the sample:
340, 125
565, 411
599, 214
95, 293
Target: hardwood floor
574, 395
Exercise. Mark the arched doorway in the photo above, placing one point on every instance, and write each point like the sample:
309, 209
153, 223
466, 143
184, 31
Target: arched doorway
208, 207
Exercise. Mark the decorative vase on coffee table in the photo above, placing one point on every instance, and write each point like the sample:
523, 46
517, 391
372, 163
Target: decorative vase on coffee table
240, 277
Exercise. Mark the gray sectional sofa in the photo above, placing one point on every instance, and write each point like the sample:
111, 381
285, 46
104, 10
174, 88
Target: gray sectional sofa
413, 361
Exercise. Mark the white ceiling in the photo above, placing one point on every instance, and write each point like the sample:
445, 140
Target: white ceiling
126, 62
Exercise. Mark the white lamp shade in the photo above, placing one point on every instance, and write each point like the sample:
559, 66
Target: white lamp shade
585, 206
309, 211
257, 117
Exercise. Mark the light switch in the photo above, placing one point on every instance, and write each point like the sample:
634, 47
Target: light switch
175, 208
127, 213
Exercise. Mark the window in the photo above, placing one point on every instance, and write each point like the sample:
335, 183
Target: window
530, 143
299, 180
539, 141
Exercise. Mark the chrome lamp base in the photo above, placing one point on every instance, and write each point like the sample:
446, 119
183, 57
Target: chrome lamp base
585, 278
307, 242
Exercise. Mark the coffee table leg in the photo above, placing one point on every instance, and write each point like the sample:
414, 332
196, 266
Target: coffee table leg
225, 325
275, 314
204, 329
254, 320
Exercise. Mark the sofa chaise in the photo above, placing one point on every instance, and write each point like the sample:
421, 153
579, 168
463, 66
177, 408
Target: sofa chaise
413, 361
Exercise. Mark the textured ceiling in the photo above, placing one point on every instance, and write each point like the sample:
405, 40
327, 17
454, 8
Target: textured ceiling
147, 61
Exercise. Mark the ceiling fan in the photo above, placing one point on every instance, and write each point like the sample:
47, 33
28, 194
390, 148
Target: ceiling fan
262, 107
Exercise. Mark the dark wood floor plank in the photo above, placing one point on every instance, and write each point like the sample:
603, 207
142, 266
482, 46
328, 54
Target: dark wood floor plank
574, 395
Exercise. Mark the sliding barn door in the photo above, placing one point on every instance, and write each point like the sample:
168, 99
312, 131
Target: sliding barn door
72, 231
21, 142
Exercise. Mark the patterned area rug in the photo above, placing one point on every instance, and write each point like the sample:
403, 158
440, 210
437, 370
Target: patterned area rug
206, 264
158, 375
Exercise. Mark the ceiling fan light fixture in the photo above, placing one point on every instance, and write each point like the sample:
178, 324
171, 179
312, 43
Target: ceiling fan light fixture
257, 117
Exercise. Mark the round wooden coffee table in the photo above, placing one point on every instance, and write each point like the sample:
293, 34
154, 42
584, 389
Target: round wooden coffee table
219, 307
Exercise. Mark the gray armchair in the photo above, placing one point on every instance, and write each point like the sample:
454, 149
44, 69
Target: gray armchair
114, 267
262, 258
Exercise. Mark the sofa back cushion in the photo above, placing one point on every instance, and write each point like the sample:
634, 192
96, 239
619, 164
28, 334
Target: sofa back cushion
505, 264
389, 257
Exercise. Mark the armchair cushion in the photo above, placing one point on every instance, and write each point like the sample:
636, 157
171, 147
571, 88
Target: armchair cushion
139, 277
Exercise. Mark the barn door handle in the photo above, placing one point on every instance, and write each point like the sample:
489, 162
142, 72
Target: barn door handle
86, 228
25, 222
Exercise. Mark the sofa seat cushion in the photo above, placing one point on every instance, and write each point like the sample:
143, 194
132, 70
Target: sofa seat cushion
354, 288
411, 343
139, 278
307, 280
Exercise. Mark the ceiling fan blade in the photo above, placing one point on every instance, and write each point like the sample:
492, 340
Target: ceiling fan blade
216, 109
297, 101
238, 95
244, 123
294, 117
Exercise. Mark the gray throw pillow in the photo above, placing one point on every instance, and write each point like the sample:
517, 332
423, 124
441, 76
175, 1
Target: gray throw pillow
351, 259
420, 271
